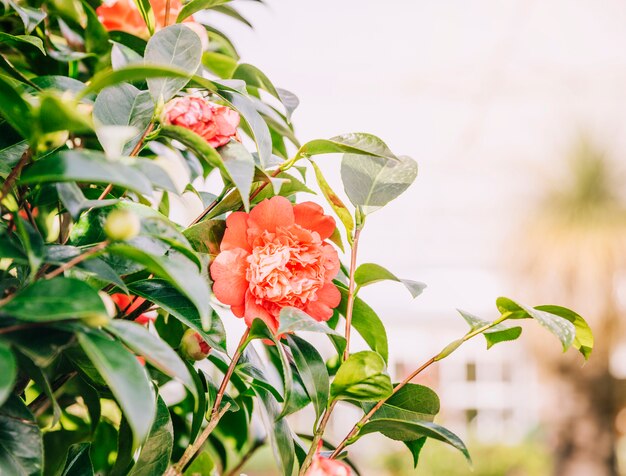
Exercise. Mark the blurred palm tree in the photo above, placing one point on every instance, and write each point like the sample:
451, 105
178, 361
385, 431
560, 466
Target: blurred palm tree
573, 250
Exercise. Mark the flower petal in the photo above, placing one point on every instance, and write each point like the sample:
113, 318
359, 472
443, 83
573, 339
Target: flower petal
328, 297
228, 271
255, 311
311, 216
272, 213
236, 235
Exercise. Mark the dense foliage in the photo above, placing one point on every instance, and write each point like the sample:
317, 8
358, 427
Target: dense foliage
109, 115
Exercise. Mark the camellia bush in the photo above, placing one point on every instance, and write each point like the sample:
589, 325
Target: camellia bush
113, 356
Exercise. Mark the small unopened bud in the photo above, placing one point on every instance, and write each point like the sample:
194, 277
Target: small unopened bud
122, 225
193, 346
101, 319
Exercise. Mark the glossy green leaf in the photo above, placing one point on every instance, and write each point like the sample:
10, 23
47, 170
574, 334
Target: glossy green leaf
206, 236
370, 273
179, 306
179, 271
408, 431
372, 182
145, 10
335, 202
366, 322
124, 105
584, 337
219, 64
21, 445
278, 432
197, 5
75, 201
561, 327
155, 454
58, 114
55, 299
240, 166
19, 40
412, 402
153, 349
78, 461
175, 46
362, 377
354, 143
85, 166
8, 371
313, 371
127, 379
293, 319
415, 447
32, 242
30, 16
497, 333
14, 109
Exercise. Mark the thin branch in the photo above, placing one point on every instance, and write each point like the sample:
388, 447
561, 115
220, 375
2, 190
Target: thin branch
351, 294
319, 433
444, 353
77, 259
12, 177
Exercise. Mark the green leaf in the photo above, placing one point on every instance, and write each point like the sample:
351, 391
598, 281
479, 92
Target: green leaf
411, 402
362, 377
145, 9
366, 322
124, 105
415, 447
240, 166
370, 273
218, 63
78, 461
497, 333
134, 72
128, 381
175, 46
15, 110
22, 40
85, 166
55, 299
313, 371
278, 432
354, 143
197, 5
584, 337
335, 202
155, 454
181, 272
31, 17
293, 319
8, 371
74, 200
21, 445
197, 144
372, 182
58, 114
206, 236
558, 325
169, 298
155, 350
32, 242
414, 430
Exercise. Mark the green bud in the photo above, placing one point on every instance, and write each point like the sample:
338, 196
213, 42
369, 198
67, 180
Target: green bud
122, 225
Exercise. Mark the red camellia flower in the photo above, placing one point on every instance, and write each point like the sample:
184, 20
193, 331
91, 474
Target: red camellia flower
322, 466
124, 15
275, 256
214, 123
128, 304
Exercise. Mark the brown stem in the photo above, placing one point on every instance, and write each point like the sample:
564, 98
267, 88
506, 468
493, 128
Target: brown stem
40, 404
177, 469
21, 327
137, 147
74, 261
12, 177
236, 471
216, 412
375, 408
316, 438
168, 6
351, 286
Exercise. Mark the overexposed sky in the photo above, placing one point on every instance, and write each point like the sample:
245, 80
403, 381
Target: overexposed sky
486, 95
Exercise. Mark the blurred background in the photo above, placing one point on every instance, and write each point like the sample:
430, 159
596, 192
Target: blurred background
516, 113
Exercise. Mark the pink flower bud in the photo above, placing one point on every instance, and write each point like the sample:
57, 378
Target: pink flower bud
323, 466
214, 123
193, 346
